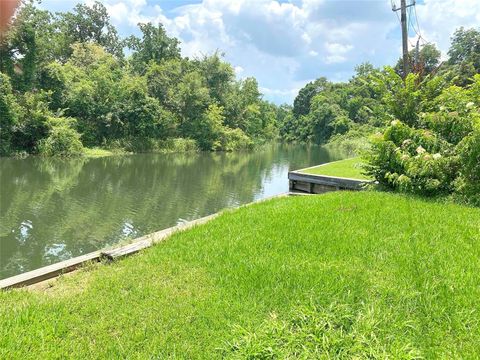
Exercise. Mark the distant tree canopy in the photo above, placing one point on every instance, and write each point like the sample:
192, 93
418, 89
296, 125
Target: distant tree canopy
425, 62
66, 83
154, 46
324, 111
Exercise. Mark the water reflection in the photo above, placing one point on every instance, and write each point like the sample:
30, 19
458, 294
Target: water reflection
51, 210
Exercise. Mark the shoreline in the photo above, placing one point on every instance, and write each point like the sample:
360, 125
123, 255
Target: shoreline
53, 271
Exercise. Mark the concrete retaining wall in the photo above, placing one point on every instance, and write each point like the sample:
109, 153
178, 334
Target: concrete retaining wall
319, 184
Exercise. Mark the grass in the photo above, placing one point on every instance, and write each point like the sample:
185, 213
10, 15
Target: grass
124, 147
341, 275
99, 152
348, 168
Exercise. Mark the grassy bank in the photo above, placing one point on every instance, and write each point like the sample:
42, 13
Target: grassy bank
348, 168
123, 147
99, 152
342, 274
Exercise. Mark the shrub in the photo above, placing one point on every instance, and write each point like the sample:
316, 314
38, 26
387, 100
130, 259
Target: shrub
412, 160
468, 182
62, 139
437, 155
9, 114
177, 145
234, 139
355, 141
33, 124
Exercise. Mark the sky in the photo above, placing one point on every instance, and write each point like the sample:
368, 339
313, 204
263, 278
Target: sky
287, 43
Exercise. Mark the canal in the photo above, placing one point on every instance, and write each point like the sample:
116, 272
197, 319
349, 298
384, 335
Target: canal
55, 209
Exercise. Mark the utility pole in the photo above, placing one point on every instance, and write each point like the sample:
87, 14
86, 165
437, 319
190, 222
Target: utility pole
403, 20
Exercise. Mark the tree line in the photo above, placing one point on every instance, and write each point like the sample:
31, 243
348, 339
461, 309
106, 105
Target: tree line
66, 83
324, 111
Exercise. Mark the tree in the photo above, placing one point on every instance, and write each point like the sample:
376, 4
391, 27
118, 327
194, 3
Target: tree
219, 76
92, 89
9, 114
194, 99
27, 46
364, 70
428, 60
323, 117
429, 57
464, 57
87, 25
301, 104
163, 81
140, 115
465, 48
209, 128
154, 46
70, 65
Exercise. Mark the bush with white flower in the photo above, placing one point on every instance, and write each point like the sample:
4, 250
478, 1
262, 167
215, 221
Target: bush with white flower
440, 155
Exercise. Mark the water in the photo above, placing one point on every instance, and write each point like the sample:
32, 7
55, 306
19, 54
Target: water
52, 209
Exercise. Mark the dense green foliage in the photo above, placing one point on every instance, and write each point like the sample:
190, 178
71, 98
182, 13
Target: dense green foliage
324, 111
434, 150
9, 112
427, 123
349, 275
73, 65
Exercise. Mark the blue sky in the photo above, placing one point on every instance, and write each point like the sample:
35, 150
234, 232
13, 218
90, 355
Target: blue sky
286, 44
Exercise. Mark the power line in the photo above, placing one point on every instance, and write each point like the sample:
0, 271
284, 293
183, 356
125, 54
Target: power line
418, 26
394, 9
410, 25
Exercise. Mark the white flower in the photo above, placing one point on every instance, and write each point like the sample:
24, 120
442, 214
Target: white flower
470, 104
420, 150
437, 156
395, 123
442, 108
406, 142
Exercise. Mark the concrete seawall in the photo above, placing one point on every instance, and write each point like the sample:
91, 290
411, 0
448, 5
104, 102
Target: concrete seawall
318, 184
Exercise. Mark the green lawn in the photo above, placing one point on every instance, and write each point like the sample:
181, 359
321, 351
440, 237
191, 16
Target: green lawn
349, 168
343, 275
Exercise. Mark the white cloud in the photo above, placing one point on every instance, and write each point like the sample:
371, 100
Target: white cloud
438, 19
336, 48
335, 59
238, 70
118, 12
286, 44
